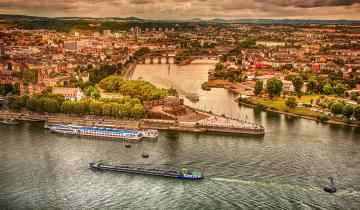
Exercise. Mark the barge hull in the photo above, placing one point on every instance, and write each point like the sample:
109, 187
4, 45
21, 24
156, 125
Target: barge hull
154, 172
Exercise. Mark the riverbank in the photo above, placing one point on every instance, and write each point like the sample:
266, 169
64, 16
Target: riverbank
296, 112
239, 88
222, 125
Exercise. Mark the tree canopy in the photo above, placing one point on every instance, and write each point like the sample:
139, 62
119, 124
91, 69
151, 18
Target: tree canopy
298, 83
142, 90
274, 87
258, 87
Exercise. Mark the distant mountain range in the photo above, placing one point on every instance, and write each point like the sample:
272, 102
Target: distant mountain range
195, 20
276, 21
25, 17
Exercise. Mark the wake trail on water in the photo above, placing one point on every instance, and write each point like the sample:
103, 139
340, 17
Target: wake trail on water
342, 192
179, 88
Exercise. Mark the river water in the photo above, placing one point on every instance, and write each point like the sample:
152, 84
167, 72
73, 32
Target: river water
284, 169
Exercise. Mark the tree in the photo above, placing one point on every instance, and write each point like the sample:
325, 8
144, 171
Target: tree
274, 87
107, 109
142, 90
339, 62
81, 107
311, 85
67, 107
7, 88
291, 102
258, 87
328, 90
348, 111
142, 51
339, 89
115, 109
111, 83
354, 96
356, 112
219, 67
15, 103
30, 104
138, 111
337, 108
298, 83
96, 107
51, 105
95, 94
122, 111
23, 99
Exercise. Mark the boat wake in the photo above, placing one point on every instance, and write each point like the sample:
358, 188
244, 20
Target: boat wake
340, 193
264, 184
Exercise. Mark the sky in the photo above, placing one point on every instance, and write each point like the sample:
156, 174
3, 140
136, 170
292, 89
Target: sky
187, 9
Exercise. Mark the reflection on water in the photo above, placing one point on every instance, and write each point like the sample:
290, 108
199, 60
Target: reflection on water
189, 79
284, 169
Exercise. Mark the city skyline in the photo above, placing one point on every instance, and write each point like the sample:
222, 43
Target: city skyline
188, 9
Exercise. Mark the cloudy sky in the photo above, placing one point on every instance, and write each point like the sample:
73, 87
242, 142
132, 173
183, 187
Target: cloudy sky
187, 9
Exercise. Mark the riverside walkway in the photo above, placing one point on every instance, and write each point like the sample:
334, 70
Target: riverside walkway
212, 123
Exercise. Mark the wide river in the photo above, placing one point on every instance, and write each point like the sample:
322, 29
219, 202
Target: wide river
284, 169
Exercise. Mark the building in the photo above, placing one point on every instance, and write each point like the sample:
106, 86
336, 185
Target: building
107, 33
287, 86
2, 49
82, 44
75, 45
73, 94
70, 45
136, 32
96, 34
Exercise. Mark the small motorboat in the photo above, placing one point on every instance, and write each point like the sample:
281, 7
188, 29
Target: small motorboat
127, 145
145, 155
331, 188
192, 96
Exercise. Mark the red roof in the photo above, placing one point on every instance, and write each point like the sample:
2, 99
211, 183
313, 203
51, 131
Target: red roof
316, 68
7, 81
357, 87
261, 66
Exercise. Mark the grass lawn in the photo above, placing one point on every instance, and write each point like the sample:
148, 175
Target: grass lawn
279, 104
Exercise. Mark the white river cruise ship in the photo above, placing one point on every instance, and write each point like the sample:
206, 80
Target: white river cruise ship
103, 132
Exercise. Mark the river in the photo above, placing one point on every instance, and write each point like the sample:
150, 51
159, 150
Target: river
284, 169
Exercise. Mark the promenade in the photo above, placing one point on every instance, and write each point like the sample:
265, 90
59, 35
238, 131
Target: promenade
212, 123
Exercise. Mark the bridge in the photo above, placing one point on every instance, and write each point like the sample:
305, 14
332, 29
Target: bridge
211, 51
170, 59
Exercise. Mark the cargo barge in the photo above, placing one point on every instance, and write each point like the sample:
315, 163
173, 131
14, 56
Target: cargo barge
181, 174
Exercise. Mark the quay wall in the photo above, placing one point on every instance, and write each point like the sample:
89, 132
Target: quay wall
133, 124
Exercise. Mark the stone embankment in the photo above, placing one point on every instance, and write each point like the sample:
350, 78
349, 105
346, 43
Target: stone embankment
211, 124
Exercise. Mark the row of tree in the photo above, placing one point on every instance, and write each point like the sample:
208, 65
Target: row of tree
231, 74
273, 87
131, 108
337, 108
325, 86
345, 109
42, 102
55, 103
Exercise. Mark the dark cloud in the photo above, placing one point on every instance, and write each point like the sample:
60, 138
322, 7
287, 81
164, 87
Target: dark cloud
187, 9
310, 3
141, 1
